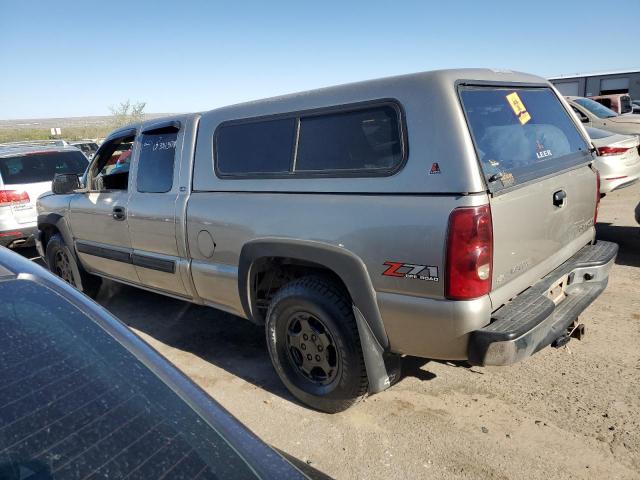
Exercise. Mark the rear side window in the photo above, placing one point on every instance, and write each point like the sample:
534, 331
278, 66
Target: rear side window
41, 166
360, 141
521, 134
156, 163
256, 147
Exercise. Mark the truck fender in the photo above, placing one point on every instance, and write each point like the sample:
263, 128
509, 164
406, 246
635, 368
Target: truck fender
349, 267
59, 223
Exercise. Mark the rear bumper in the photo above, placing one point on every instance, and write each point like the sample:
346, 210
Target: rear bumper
18, 237
532, 320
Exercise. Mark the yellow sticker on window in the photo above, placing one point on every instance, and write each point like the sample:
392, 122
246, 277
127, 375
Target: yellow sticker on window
518, 108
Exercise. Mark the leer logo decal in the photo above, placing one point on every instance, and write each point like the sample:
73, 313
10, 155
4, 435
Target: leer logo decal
428, 273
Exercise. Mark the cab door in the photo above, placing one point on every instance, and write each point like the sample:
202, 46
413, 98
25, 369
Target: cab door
98, 215
152, 210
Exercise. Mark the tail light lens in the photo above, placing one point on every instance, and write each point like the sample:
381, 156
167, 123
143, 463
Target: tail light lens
595, 213
469, 253
606, 151
12, 197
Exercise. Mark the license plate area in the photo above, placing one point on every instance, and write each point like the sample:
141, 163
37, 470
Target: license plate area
556, 292
24, 213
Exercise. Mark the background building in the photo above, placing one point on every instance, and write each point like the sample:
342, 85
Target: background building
605, 83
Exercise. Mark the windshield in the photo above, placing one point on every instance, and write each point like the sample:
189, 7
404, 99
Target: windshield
596, 108
41, 166
75, 404
521, 134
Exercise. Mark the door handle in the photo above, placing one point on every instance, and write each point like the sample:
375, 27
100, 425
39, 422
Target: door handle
119, 213
559, 197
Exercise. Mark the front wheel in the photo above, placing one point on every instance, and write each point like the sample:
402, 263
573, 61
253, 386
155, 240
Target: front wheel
63, 263
314, 344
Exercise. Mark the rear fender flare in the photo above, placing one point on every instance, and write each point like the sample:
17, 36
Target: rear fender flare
349, 267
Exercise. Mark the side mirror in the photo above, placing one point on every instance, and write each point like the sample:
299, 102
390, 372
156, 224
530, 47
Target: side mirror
64, 183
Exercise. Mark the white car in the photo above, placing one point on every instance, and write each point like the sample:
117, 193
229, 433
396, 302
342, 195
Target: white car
26, 171
618, 158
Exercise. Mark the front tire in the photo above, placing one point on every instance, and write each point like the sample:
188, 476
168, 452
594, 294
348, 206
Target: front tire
63, 263
314, 344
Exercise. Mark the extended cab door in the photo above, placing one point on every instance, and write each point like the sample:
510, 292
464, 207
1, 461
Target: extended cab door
153, 203
98, 216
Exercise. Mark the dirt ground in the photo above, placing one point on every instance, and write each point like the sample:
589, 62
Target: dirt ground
572, 412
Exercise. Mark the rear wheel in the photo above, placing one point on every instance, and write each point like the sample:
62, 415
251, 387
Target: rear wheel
63, 263
314, 345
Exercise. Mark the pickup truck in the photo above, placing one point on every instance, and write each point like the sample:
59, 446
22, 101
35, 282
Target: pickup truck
446, 215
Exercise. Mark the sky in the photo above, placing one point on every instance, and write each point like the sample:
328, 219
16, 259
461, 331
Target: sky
60, 58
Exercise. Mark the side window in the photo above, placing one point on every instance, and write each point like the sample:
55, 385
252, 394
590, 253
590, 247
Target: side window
110, 169
255, 148
366, 140
156, 162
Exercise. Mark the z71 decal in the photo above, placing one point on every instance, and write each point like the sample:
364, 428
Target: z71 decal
428, 273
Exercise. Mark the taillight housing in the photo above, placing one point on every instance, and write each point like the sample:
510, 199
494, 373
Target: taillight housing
595, 213
12, 197
606, 151
469, 253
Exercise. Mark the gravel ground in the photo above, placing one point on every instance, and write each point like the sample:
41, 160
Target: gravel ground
572, 412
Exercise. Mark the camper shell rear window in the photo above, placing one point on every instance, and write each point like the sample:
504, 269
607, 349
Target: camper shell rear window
521, 134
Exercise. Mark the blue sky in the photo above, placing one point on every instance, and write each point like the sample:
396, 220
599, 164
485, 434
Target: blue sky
62, 58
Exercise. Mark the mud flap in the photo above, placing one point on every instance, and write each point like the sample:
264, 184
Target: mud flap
383, 368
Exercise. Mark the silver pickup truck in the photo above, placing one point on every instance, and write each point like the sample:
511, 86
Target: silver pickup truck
447, 215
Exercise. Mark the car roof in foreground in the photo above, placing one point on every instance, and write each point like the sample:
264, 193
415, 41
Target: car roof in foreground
82, 394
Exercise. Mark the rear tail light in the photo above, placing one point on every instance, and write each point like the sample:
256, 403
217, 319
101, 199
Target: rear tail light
469, 253
595, 213
606, 151
12, 197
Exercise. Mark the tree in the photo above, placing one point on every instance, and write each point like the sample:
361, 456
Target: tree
126, 112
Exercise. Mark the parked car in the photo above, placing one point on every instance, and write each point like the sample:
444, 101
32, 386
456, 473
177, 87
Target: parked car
83, 396
88, 147
636, 106
618, 159
619, 103
594, 114
26, 171
356, 223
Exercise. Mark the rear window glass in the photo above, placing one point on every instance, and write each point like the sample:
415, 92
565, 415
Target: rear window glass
256, 147
75, 404
625, 104
521, 134
41, 166
367, 139
597, 134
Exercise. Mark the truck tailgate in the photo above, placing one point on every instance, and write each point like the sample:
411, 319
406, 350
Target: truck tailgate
532, 235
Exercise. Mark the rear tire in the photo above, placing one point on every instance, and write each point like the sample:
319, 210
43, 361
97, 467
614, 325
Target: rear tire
63, 263
314, 344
